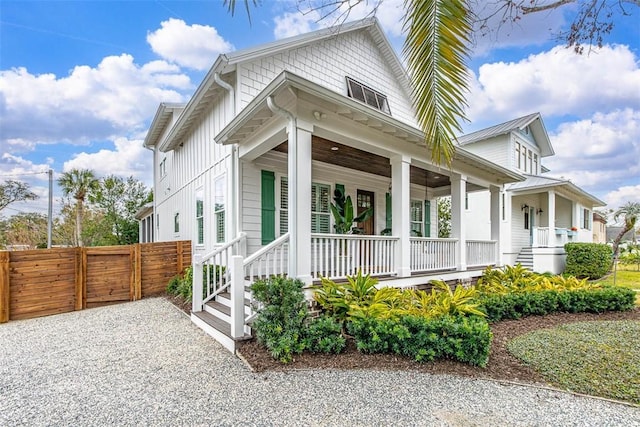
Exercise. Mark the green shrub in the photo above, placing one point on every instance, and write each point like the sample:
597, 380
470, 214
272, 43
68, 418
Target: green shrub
591, 300
465, 339
324, 335
280, 324
174, 283
588, 260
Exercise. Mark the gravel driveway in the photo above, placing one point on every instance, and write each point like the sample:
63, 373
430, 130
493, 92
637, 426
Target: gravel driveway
144, 363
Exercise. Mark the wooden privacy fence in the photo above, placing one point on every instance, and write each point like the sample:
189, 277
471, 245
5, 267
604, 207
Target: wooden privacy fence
50, 281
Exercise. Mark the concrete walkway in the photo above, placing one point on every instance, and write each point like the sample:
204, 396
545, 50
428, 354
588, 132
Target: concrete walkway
144, 363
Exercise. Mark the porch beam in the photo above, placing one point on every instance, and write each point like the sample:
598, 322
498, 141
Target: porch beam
495, 221
400, 215
458, 226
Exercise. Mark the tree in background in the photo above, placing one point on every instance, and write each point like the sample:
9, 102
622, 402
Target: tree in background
28, 229
444, 217
14, 191
629, 213
118, 200
77, 183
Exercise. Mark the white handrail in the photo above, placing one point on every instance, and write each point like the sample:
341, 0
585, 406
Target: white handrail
432, 254
481, 252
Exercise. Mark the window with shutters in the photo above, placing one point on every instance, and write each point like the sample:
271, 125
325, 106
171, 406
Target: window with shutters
367, 95
417, 218
586, 219
199, 218
219, 204
320, 211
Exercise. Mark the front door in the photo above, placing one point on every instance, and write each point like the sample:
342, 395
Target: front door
365, 200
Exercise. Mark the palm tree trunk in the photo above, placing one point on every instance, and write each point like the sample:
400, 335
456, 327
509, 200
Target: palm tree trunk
616, 241
79, 222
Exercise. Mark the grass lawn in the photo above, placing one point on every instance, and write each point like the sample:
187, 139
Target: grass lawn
597, 358
626, 276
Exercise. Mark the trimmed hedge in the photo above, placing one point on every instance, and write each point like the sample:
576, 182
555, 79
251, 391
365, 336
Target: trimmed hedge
588, 260
517, 305
465, 339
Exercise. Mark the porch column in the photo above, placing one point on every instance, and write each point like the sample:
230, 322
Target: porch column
551, 217
458, 226
495, 221
400, 215
299, 177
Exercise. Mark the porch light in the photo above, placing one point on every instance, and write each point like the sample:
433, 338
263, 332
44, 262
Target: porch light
334, 148
539, 211
523, 207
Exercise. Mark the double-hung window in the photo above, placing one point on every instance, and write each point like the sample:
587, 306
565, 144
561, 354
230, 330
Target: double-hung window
320, 211
199, 218
219, 203
417, 218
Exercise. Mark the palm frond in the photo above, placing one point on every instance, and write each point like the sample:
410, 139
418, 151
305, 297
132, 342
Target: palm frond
436, 49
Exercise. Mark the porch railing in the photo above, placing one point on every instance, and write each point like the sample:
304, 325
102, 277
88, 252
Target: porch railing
540, 237
271, 260
429, 254
210, 271
337, 255
481, 252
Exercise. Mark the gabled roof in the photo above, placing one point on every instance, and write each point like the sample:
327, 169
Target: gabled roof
226, 63
160, 122
537, 182
533, 120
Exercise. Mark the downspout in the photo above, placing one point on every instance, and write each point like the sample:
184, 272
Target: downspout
293, 184
235, 163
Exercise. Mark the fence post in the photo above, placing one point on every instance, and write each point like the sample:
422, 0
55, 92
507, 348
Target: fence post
80, 273
179, 255
5, 299
138, 287
237, 297
196, 302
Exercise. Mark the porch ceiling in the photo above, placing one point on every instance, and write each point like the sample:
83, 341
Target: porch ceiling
324, 150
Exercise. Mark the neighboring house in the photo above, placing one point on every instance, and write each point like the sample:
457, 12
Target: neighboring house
538, 215
599, 228
145, 223
247, 169
630, 236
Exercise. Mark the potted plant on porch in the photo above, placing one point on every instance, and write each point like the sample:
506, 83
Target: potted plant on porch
343, 214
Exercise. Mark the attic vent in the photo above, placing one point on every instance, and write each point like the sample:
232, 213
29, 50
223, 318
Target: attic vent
367, 95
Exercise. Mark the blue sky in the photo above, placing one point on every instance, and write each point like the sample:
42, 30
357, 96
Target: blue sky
80, 82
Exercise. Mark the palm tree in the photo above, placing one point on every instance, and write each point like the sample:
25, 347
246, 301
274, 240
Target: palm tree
78, 183
629, 212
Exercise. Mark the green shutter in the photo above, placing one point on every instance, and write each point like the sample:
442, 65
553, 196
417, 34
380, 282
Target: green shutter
388, 209
427, 218
268, 197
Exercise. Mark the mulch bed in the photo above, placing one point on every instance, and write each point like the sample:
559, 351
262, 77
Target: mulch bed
502, 365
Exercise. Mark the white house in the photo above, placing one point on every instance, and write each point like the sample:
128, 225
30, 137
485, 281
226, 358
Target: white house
247, 169
538, 215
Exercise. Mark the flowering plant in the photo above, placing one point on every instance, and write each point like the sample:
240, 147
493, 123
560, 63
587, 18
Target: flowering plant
574, 228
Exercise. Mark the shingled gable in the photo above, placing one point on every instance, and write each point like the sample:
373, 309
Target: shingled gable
227, 63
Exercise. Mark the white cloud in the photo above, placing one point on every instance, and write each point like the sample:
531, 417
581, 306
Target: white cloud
194, 46
128, 158
294, 23
115, 97
617, 198
556, 83
599, 153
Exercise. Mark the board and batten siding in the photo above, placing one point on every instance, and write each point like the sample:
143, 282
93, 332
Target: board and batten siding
322, 173
192, 168
328, 62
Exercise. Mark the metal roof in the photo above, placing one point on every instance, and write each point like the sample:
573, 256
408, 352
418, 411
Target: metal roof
538, 182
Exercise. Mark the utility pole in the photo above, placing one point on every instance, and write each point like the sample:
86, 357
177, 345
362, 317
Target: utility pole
50, 218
